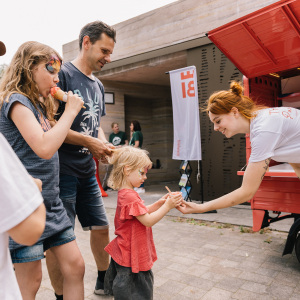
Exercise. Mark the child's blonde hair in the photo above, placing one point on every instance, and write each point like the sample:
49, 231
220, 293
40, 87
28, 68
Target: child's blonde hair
132, 158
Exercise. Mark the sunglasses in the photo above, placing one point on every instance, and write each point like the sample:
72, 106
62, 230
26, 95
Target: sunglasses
53, 65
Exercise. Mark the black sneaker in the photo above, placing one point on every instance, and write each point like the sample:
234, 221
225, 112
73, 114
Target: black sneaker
99, 288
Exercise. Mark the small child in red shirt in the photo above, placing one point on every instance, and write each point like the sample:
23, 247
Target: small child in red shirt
129, 275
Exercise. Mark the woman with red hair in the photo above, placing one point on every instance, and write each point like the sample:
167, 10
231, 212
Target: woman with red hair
274, 134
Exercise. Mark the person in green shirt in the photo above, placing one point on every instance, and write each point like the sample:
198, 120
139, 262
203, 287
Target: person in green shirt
136, 141
136, 134
117, 137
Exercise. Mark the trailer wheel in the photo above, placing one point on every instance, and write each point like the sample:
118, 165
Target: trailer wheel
297, 247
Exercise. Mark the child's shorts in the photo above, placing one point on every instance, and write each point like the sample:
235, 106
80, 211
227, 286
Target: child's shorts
124, 285
36, 252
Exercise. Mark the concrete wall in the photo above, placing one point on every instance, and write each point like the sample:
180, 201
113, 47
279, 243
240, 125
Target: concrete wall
172, 24
165, 39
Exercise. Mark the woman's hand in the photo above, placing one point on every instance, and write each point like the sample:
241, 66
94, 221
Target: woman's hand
189, 207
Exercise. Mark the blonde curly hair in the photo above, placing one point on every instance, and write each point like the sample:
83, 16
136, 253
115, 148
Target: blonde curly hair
131, 157
18, 77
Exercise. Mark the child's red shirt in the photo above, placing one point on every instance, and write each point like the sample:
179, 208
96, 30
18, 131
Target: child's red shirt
134, 246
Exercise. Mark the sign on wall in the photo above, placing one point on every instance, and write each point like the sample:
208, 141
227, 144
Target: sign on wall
187, 139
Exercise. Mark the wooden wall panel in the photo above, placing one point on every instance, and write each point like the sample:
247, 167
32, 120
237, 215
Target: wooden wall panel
221, 157
152, 107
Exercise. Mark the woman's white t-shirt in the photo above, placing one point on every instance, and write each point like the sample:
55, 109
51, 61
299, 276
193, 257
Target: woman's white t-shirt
275, 133
19, 198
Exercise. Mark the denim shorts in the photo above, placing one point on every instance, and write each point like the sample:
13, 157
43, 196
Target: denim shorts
36, 252
82, 197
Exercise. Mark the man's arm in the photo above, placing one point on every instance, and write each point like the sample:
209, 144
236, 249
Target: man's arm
96, 146
28, 231
101, 135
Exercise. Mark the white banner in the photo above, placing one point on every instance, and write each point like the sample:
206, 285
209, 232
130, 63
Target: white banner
187, 140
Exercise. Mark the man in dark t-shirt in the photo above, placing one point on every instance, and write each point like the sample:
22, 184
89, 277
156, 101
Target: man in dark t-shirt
79, 190
117, 137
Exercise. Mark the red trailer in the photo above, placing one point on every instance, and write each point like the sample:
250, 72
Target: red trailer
265, 47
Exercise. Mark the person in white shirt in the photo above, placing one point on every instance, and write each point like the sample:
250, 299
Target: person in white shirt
274, 134
22, 214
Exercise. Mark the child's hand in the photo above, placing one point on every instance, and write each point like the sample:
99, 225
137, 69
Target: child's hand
74, 103
163, 198
174, 199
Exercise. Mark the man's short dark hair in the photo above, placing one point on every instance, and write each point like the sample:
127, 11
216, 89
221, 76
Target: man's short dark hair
94, 31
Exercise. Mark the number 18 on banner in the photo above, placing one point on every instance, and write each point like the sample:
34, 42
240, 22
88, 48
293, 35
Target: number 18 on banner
187, 140
187, 84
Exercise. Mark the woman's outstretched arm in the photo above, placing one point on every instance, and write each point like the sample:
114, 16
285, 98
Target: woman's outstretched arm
251, 182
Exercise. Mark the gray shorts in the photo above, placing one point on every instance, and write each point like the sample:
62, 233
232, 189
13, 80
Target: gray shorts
123, 284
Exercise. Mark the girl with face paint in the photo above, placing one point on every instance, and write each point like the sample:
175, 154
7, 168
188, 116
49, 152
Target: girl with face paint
26, 120
129, 275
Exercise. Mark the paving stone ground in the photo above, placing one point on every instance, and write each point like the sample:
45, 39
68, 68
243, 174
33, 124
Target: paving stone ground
204, 256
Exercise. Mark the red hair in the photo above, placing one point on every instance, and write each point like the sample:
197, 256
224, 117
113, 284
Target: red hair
223, 101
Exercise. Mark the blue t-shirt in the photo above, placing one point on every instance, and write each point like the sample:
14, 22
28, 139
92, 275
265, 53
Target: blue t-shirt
47, 170
77, 160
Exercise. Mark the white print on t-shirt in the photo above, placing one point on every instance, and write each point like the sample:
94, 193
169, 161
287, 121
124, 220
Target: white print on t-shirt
86, 129
116, 141
91, 113
84, 150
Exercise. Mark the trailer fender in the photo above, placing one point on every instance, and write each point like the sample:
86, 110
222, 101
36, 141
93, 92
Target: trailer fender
292, 236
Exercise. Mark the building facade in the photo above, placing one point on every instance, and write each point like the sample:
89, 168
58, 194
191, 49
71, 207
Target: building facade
148, 46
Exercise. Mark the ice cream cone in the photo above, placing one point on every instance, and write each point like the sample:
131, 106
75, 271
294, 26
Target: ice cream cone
58, 94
